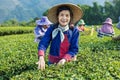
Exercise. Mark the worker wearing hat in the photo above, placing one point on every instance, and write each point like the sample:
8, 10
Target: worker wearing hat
63, 40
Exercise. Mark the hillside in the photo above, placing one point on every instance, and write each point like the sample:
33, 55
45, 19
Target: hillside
23, 10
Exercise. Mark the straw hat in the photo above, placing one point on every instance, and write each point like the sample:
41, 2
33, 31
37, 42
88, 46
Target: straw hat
43, 21
108, 21
76, 10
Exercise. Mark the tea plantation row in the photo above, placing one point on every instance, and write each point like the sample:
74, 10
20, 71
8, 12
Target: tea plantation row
98, 59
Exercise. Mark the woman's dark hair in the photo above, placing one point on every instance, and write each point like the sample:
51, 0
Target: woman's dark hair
61, 8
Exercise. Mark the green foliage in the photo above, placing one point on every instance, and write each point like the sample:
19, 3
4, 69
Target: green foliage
97, 59
14, 57
45, 13
116, 9
12, 22
15, 30
97, 13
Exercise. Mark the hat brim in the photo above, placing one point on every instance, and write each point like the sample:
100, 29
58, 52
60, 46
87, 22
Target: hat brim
107, 23
44, 23
76, 10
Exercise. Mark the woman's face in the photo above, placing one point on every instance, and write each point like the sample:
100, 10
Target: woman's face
45, 26
64, 18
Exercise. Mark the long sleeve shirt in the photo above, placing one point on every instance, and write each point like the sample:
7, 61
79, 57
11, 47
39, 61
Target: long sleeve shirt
59, 50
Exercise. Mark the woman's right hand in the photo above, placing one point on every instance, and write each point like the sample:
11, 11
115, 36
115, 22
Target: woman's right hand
41, 63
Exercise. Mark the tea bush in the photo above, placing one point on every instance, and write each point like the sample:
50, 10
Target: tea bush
97, 59
15, 30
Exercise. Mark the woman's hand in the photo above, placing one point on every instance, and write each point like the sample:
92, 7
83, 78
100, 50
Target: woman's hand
41, 63
61, 62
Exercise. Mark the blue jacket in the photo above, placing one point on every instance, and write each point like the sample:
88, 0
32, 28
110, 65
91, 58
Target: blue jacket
67, 49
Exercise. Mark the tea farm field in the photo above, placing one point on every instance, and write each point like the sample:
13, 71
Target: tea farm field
97, 59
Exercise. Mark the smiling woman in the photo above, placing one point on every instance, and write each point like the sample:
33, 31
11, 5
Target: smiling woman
63, 38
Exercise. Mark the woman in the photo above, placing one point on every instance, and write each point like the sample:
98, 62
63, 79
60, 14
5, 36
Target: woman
81, 25
63, 40
106, 29
41, 28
